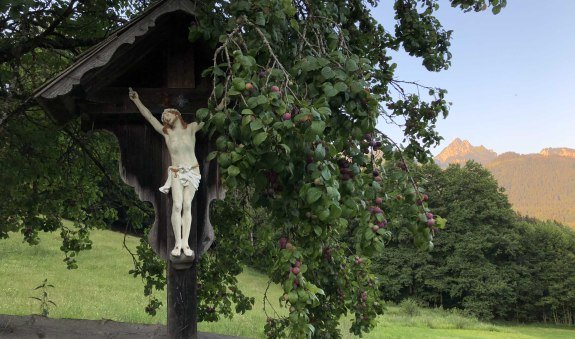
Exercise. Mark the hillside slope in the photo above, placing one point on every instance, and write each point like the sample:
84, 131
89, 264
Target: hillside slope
539, 186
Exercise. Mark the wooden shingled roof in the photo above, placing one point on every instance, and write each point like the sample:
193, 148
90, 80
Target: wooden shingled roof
59, 95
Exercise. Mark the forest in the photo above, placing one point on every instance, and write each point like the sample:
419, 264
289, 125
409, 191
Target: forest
489, 261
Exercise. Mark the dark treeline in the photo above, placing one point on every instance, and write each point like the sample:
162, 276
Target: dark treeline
488, 261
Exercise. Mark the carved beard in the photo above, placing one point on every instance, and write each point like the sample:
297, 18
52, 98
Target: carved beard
169, 125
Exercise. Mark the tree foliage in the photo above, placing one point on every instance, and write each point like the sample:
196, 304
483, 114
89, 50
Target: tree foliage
298, 87
489, 261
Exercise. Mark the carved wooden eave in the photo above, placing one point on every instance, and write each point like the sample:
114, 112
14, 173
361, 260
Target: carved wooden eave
153, 55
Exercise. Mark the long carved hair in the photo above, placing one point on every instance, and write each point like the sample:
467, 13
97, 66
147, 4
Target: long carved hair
178, 114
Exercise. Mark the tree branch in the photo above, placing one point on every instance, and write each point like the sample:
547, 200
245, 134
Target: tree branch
67, 12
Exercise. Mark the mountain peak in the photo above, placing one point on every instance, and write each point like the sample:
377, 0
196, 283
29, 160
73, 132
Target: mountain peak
460, 151
459, 142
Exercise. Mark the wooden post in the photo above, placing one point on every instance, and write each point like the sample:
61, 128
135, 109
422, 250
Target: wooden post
182, 302
182, 287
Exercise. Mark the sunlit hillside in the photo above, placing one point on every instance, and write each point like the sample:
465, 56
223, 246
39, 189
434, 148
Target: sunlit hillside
539, 185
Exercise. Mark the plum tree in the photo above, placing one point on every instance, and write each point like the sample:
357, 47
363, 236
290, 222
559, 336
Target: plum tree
298, 87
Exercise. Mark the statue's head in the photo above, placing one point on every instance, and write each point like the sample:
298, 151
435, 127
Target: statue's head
170, 117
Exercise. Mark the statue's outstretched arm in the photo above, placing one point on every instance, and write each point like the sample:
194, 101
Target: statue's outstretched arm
145, 111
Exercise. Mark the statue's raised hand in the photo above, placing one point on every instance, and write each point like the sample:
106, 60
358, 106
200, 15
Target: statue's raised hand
132, 94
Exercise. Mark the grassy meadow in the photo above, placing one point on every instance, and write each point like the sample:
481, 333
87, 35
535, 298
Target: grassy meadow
102, 289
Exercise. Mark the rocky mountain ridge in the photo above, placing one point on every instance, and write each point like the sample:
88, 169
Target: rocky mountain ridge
562, 152
540, 185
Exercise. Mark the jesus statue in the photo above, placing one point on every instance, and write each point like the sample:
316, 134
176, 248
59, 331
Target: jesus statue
184, 173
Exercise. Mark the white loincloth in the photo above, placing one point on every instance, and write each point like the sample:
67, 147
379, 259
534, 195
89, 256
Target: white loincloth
187, 174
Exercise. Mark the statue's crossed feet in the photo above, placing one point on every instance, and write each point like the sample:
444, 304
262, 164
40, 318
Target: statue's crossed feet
177, 251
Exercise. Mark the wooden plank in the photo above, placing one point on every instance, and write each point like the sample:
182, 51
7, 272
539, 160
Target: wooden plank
144, 159
180, 66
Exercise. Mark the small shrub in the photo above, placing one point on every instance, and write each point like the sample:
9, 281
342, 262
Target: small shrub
410, 307
43, 299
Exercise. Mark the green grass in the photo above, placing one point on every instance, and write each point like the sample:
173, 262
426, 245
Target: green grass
439, 323
99, 289
102, 289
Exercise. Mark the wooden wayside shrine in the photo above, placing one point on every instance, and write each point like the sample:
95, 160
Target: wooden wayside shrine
151, 54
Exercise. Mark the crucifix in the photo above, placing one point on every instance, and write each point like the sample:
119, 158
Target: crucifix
184, 172
162, 156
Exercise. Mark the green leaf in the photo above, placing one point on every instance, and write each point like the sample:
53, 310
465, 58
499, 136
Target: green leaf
233, 92
440, 222
225, 160
292, 297
326, 174
219, 119
219, 90
313, 195
319, 153
328, 90
369, 234
340, 87
212, 155
288, 285
324, 111
293, 23
194, 34
202, 113
323, 215
351, 65
262, 99
252, 102
327, 72
236, 156
333, 193
259, 138
286, 148
239, 84
256, 124
335, 211
233, 170
260, 19
317, 127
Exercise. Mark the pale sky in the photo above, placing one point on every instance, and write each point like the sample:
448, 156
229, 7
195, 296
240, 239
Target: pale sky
512, 78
